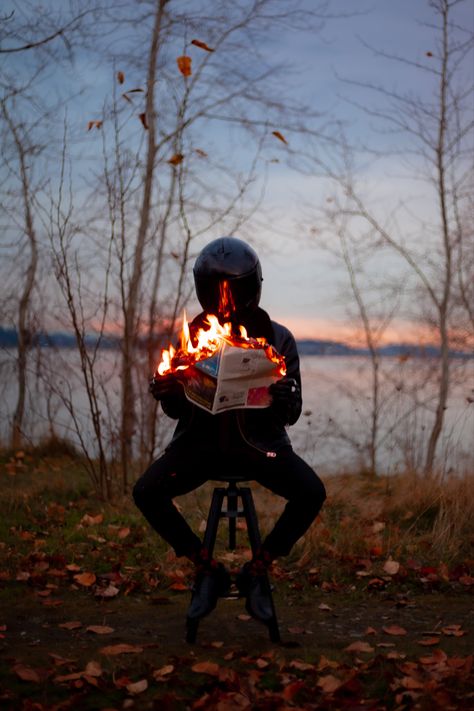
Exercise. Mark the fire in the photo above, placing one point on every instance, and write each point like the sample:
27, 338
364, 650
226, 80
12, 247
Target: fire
208, 341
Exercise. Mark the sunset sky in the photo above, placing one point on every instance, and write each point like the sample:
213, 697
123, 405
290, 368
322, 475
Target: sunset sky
302, 282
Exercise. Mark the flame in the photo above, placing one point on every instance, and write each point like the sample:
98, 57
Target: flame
226, 300
208, 341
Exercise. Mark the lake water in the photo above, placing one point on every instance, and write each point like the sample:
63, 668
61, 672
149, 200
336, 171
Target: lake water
333, 431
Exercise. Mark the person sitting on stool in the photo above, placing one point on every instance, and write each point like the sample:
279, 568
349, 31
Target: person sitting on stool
251, 441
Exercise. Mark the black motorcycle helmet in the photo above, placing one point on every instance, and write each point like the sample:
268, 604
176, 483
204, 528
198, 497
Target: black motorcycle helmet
228, 278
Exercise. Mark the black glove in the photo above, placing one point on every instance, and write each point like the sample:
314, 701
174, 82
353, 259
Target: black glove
164, 386
284, 395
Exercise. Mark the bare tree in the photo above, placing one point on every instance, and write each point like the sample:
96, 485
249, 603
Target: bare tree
434, 131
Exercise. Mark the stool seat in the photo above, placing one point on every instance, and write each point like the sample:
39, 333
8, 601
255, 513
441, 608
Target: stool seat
233, 493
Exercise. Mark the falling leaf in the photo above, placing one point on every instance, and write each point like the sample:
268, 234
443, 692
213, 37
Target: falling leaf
120, 77
201, 45
159, 674
99, 629
115, 649
26, 673
73, 625
391, 567
184, 65
142, 118
85, 579
359, 647
206, 668
203, 154
429, 54
137, 687
176, 159
280, 136
394, 630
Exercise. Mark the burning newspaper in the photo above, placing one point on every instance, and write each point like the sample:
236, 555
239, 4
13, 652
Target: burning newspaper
224, 370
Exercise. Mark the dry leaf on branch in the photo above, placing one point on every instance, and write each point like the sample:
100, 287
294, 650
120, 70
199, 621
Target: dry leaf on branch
144, 121
184, 65
120, 77
94, 124
201, 45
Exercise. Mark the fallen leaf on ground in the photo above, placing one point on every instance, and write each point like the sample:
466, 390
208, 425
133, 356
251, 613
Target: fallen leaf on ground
394, 630
93, 669
85, 579
159, 674
206, 668
453, 631
99, 629
26, 673
73, 625
323, 606
329, 684
428, 641
123, 648
359, 647
88, 520
244, 617
137, 687
109, 591
391, 567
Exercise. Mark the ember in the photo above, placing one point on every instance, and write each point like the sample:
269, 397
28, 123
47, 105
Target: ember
208, 341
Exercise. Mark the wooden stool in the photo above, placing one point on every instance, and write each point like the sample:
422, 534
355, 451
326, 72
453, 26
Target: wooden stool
232, 512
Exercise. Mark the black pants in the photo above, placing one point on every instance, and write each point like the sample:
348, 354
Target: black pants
183, 469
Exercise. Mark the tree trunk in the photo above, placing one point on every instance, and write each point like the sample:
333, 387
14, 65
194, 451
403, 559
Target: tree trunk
133, 292
24, 303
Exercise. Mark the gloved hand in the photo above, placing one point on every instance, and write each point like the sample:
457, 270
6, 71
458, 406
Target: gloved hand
164, 386
284, 394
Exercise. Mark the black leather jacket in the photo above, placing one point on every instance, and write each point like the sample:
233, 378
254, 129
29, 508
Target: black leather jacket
262, 429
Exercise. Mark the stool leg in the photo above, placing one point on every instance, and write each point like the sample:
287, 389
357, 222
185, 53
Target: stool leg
255, 540
192, 624
232, 507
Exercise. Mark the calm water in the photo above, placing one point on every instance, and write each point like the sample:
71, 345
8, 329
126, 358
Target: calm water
332, 433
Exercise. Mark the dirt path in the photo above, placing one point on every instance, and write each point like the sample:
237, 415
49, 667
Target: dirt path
310, 667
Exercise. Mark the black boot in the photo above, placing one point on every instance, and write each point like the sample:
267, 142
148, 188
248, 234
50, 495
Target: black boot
211, 583
252, 583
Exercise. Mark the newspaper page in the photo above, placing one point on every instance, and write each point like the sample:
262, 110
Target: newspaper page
232, 378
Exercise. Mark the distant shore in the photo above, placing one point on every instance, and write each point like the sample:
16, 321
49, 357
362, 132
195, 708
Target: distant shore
316, 347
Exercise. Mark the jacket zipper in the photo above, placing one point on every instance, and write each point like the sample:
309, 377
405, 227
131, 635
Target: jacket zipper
266, 452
